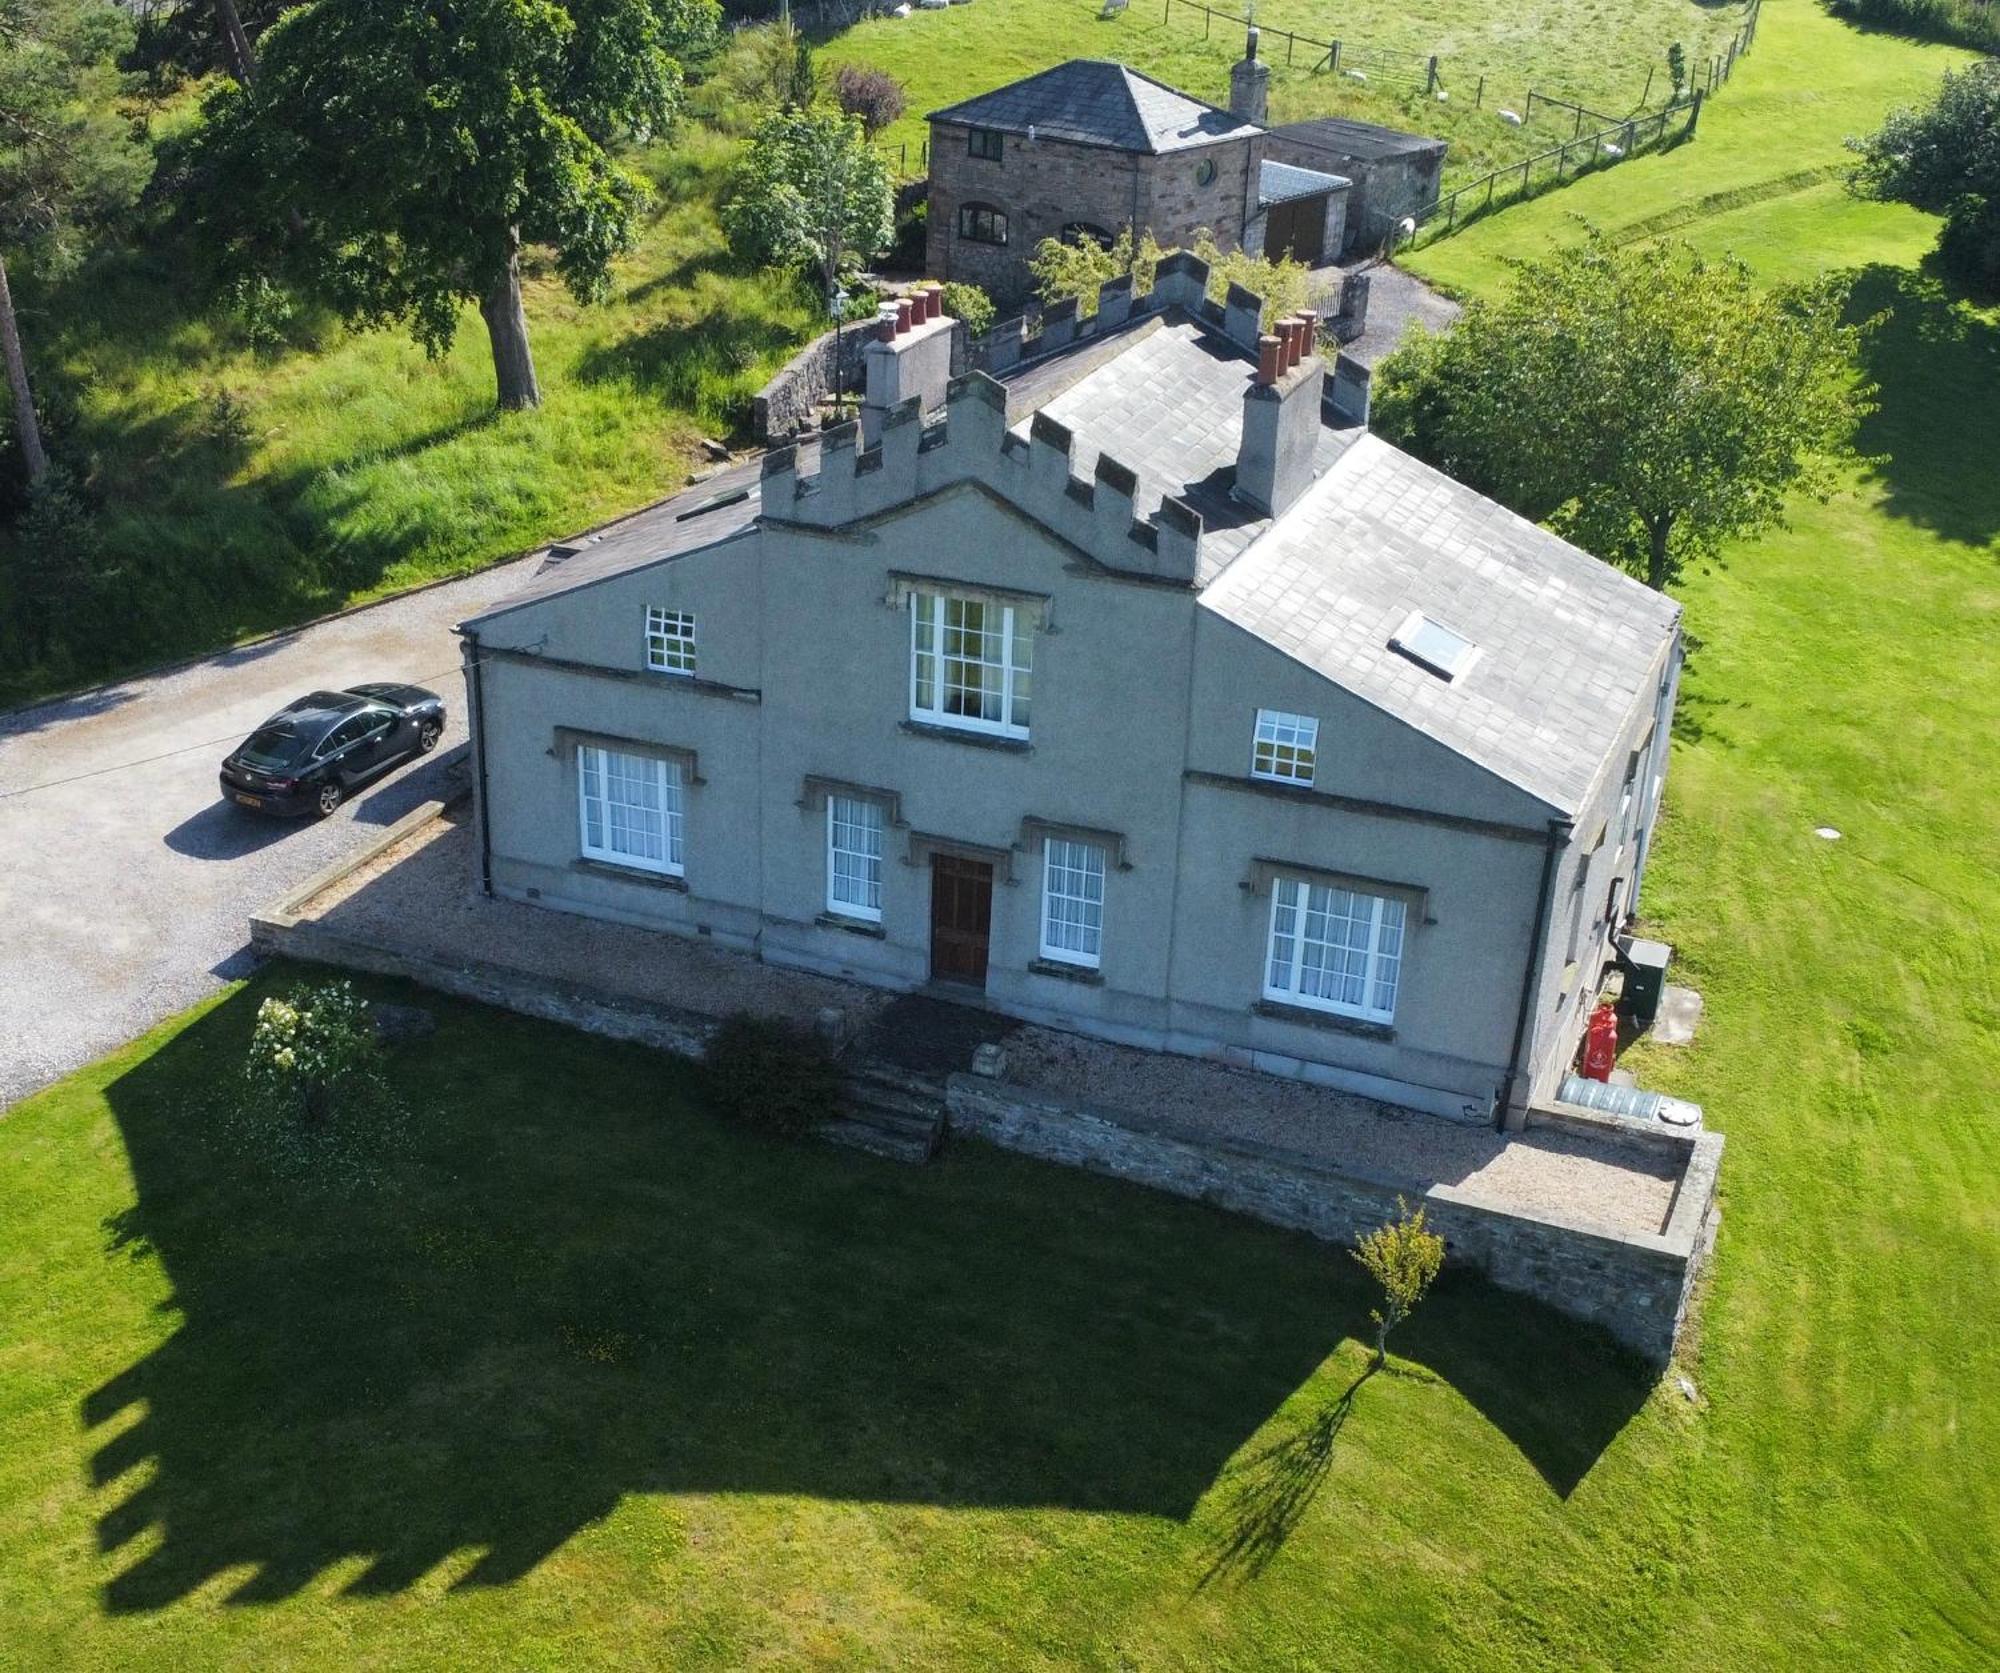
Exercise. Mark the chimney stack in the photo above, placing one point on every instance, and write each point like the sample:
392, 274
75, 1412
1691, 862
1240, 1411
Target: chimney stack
1250, 83
911, 355
1274, 461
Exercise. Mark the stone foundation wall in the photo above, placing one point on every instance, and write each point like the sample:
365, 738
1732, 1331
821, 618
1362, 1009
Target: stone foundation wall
1635, 1287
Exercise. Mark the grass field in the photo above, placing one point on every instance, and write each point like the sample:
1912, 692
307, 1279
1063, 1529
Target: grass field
1590, 51
595, 1379
355, 467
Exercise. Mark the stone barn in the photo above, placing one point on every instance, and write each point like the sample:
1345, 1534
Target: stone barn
1090, 147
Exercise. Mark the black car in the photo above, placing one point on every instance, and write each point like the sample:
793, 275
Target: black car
308, 756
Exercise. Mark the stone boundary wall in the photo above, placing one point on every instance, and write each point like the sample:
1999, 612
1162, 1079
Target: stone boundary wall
1634, 1286
791, 399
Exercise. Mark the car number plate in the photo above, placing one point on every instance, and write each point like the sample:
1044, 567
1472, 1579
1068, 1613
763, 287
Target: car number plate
249, 801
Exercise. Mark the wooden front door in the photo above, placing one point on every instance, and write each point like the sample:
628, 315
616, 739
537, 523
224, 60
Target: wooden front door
961, 918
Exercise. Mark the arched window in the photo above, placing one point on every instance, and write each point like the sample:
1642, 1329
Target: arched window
1082, 232
981, 223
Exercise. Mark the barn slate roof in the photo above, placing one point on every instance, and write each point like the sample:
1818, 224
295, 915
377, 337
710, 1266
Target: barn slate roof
1285, 183
1092, 101
1368, 141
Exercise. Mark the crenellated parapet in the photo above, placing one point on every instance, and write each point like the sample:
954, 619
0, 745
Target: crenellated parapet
972, 444
1180, 281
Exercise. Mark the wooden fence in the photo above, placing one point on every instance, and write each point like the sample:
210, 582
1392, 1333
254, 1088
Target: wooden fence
1559, 165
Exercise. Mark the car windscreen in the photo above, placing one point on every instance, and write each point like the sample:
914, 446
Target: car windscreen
272, 747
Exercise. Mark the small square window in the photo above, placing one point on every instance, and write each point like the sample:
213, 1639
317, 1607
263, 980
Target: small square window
1433, 646
986, 143
1284, 747
669, 641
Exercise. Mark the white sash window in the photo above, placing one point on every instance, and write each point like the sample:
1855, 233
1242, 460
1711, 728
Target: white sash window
1334, 949
630, 809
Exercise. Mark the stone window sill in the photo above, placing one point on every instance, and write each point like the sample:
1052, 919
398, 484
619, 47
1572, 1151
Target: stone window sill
1083, 973
1332, 1022
631, 874
853, 926
964, 735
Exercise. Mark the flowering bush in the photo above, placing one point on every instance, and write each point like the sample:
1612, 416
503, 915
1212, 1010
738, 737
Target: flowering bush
313, 1106
312, 1049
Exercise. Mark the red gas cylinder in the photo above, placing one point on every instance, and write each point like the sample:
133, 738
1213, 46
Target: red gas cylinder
1600, 1044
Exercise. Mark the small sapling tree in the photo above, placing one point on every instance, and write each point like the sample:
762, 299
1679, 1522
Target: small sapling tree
1402, 1256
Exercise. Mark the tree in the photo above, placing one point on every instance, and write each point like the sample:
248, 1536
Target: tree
873, 95
66, 164
1946, 159
1065, 268
1643, 401
810, 194
1403, 1257
423, 147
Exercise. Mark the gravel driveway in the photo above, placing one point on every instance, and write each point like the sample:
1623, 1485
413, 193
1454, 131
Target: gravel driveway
126, 893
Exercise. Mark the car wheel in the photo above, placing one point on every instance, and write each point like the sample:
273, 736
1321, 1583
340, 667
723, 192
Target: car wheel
428, 735
328, 798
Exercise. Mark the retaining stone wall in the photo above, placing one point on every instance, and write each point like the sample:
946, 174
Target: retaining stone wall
1635, 1287
792, 397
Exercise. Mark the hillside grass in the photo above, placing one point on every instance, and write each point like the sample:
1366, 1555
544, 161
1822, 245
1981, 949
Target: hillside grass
354, 467
1590, 51
1763, 176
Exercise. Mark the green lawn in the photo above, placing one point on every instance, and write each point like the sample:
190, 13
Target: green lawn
1763, 177
595, 1379
1591, 51
357, 467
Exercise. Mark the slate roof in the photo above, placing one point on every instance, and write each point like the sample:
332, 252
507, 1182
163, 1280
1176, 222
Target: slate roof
1165, 398
1349, 138
710, 511
1567, 645
1282, 183
1091, 101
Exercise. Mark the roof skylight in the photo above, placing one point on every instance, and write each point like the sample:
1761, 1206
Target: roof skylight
1433, 646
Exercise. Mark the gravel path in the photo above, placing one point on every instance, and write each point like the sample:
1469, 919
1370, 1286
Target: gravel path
1540, 1172
420, 896
128, 883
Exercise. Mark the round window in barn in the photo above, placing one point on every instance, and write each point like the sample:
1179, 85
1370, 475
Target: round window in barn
1204, 172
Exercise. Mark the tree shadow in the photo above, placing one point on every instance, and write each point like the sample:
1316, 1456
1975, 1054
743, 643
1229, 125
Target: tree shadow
574, 1285
1270, 1491
1929, 442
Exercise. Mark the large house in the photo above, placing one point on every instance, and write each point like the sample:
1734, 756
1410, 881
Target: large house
1090, 147
1124, 693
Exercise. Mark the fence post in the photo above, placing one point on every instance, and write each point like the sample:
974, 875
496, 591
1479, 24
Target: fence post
1431, 83
1207, 17
1333, 58
1479, 97
1291, 41
1167, 16
1491, 179
1694, 111
1643, 97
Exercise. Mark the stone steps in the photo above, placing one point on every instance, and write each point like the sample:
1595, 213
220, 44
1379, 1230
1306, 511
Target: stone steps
891, 1113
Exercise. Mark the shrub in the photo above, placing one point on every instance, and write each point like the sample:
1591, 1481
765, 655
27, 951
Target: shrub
1064, 269
971, 304
771, 1075
314, 1104
873, 95
311, 1049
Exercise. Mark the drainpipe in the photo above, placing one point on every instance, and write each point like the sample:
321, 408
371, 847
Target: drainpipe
476, 690
1558, 834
